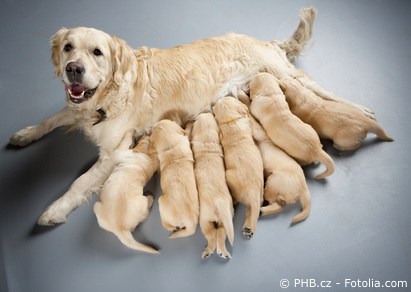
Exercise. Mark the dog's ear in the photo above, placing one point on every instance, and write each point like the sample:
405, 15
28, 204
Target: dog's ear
243, 109
121, 59
55, 42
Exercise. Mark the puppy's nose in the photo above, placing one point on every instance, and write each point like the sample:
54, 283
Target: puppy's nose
75, 71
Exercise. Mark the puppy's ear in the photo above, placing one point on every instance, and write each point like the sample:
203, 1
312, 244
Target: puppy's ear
56, 42
282, 85
121, 59
243, 109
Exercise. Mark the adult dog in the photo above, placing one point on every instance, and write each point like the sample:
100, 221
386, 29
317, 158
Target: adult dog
112, 88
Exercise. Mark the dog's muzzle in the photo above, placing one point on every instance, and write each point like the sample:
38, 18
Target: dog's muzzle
77, 93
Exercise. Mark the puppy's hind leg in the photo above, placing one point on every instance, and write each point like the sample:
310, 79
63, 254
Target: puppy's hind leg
210, 233
221, 248
251, 218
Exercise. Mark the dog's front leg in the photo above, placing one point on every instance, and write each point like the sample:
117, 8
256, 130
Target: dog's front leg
81, 189
29, 134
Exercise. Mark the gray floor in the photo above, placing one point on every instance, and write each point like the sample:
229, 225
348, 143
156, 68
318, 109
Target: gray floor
360, 222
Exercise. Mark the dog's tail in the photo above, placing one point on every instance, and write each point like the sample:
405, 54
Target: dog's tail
305, 201
296, 43
379, 131
325, 159
126, 237
226, 218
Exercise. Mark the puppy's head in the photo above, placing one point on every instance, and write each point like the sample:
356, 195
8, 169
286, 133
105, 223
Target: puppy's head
264, 84
166, 134
228, 108
205, 128
88, 61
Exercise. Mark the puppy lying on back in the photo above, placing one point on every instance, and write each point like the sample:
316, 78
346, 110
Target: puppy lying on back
345, 125
244, 166
287, 131
285, 181
216, 205
178, 205
122, 205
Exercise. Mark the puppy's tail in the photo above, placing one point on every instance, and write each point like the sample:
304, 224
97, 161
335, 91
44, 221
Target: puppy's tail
294, 45
227, 220
128, 240
325, 159
305, 201
379, 131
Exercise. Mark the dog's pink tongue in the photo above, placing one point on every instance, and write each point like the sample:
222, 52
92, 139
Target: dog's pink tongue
77, 89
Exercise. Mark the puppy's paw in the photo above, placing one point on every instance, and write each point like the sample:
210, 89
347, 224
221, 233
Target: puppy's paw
224, 254
206, 254
25, 136
247, 232
52, 216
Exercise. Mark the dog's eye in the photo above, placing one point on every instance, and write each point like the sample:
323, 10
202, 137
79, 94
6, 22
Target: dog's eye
97, 52
68, 48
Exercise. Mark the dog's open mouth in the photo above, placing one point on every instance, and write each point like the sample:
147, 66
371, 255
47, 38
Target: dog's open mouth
77, 93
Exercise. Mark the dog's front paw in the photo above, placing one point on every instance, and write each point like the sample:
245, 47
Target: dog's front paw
247, 232
24, 137
52, 216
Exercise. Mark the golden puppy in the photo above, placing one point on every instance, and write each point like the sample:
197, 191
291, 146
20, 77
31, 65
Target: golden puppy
285, 181
287, 131
344, 124
244, 166
122, 205
178, 205
216, 204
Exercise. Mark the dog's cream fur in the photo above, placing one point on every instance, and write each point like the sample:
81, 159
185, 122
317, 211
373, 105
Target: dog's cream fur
345, 125
287, 131
122, 205
134, 88
178, 205
216, 205
285, 180
243, 162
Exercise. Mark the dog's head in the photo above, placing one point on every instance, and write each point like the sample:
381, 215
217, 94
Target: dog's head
228, 109
88, 60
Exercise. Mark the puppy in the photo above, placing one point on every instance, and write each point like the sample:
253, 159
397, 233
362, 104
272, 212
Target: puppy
285, 181
244, 165
216, 205
178, 205
287, 131
122, 205
345, 125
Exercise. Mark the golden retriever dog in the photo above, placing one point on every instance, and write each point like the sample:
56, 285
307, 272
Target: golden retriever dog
178, 205
287, 131
345, 125
285, 180
112, 88
216, 204
122, 204
243, 162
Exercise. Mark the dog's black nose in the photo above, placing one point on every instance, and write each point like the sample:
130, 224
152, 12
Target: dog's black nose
75, 71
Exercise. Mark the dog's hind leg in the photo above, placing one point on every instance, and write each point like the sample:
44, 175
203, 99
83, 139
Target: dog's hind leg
221, 238
210, 234
251, 218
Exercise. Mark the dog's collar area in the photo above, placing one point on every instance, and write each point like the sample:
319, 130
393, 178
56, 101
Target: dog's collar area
102, 116
231, 120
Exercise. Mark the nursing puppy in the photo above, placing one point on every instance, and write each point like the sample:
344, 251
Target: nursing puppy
122, 204
178, 205
287, 131
244, 166
285, 181
345, 125
216, 205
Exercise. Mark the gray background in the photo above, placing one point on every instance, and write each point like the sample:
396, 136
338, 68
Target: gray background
360, 222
